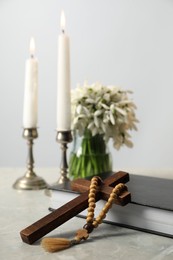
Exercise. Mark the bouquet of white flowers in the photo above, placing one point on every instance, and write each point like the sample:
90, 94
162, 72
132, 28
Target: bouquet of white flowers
105, 111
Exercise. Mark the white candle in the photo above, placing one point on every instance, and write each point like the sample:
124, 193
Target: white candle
30, 112
63, 95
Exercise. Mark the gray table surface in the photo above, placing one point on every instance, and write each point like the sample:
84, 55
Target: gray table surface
21, 208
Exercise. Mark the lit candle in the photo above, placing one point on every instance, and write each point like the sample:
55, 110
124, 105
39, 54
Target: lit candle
31, 90
63, 95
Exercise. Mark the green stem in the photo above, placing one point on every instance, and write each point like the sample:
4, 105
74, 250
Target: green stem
91, 158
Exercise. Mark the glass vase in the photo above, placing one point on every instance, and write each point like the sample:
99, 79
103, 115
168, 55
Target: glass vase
90, 156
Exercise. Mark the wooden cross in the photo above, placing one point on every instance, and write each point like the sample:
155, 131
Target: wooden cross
53, 220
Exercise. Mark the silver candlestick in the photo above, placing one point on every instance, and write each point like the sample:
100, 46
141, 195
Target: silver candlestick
30, 181
63, 137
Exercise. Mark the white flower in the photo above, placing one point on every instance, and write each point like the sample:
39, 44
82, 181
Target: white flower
79, 109
104, 106
112, 119
98, 113
90, 100
121, 111
106, 110
96, 121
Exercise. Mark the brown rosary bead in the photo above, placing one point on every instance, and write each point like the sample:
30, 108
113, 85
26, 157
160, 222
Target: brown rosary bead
89, 227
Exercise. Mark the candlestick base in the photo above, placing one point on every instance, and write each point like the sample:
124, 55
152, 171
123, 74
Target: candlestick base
65, 185
30, 183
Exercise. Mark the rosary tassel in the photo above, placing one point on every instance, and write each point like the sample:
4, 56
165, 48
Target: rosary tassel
55, 244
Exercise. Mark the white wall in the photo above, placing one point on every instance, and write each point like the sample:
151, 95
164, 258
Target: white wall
121, 42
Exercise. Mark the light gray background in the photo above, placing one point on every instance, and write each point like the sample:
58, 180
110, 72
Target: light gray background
122, 42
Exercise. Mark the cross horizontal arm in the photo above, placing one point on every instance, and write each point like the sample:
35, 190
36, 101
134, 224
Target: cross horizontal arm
82, 185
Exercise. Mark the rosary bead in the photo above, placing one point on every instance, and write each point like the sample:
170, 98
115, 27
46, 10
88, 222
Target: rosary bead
91, 200
92, 195
89, 227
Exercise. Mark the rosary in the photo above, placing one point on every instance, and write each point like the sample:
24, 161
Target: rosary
57, 244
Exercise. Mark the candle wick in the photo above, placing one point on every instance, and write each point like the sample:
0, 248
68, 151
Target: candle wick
63, 31
32, 56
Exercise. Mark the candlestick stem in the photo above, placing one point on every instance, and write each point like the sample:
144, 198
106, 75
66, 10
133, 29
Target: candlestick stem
63, 166
30, 181
30, 161
63, 137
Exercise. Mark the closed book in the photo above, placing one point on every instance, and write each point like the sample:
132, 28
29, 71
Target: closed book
151, 208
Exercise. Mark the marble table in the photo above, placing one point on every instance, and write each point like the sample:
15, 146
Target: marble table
19, 209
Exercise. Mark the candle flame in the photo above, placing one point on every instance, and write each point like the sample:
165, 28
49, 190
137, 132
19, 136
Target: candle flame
62, 22
32, 47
